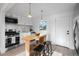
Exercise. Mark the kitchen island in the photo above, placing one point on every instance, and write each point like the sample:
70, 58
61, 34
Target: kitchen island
28, 38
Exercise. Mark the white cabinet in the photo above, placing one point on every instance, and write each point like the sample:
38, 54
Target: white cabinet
24, 21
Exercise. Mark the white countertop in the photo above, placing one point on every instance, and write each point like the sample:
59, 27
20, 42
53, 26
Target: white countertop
28, 33
42, 32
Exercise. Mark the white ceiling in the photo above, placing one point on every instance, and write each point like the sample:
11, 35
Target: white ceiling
48, 8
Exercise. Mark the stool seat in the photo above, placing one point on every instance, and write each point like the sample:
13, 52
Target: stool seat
39, 48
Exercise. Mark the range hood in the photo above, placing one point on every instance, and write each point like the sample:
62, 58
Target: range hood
11, 20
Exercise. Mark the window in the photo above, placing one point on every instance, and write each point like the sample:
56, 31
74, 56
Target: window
43, 25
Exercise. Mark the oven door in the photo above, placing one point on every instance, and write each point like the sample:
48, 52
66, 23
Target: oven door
8, 42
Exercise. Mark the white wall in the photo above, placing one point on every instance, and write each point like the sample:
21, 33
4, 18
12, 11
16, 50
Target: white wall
4, 8
2, 32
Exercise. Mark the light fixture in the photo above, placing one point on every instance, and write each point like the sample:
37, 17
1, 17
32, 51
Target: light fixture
29, 14
41, 14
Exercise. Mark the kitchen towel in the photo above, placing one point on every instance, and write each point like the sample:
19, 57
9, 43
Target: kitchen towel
13, 39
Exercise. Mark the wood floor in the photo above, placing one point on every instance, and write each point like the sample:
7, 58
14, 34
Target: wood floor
14, 51
63, 50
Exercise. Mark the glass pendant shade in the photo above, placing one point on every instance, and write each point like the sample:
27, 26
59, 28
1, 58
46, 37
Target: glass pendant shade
29, 14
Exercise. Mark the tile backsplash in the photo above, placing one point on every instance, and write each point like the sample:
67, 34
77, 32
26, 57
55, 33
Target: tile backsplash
21, 28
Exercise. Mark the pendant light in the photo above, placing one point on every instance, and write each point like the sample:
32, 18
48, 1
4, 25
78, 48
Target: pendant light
41, 14
29, 14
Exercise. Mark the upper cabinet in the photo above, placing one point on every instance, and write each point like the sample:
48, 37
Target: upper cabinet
24, 21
